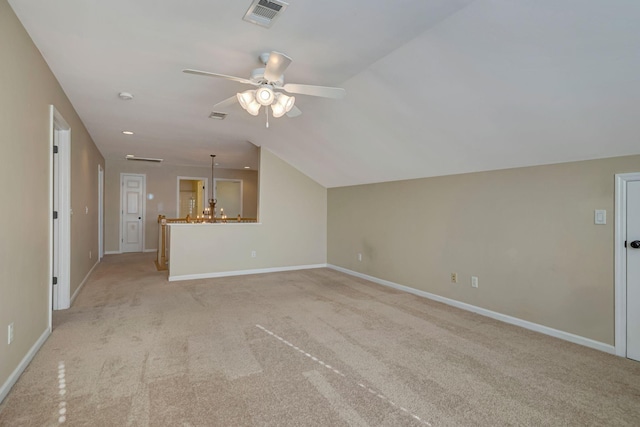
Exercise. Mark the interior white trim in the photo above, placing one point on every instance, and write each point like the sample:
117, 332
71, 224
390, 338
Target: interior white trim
6, 387
621, 261
100, 212
243, 272
151, 250
112, 252
75, 294
576, 339
60, 133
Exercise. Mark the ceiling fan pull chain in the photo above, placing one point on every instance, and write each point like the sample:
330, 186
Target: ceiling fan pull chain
266, 111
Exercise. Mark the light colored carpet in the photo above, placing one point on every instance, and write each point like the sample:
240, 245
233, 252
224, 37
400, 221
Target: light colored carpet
302, 348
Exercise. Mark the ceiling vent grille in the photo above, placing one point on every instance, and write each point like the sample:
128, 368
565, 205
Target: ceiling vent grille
264, 12
217, 115
143, 159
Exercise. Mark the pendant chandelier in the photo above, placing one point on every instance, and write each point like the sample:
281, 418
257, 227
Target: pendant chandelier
210, 211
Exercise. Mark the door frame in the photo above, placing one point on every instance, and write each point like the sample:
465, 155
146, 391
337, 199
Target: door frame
215, 190
144, 208
60, 134
621, 260
192, 178
100, 212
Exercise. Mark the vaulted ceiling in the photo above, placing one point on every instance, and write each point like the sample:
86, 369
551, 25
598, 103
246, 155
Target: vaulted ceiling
434, 87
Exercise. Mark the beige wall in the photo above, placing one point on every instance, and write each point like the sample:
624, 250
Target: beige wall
292, 229
162, 182
28, 88
527, 233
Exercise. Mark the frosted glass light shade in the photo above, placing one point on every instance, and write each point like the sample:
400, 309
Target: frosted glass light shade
246, 97
265, 95
253, 108
247, 100
282, 105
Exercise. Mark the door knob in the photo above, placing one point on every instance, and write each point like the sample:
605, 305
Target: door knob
635, 244
139, 217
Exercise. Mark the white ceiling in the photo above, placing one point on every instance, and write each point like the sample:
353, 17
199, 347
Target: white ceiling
434, 87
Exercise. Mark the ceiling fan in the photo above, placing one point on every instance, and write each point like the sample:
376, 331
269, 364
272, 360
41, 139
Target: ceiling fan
270, 85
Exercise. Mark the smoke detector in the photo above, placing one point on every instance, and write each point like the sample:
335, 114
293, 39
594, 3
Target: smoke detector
125, 96
264, 12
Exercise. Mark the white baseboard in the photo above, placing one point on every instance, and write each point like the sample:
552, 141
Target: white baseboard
567, 336
75, 294
243, 272
6, 387
120, 252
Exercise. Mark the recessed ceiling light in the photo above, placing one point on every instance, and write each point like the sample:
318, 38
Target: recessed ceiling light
127, 132
125, 96
247, 167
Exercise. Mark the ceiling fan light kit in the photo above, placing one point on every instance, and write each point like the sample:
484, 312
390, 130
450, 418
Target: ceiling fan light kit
247, 100
265, 95
282, 105
270, 83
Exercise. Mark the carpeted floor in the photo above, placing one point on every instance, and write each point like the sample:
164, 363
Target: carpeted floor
302, 348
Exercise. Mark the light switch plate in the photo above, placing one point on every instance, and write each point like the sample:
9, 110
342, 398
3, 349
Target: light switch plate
600, 216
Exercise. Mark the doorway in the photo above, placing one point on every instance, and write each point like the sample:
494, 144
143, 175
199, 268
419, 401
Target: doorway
60, 202
132, 211
100, 213
228, 195
627, 267
191, 196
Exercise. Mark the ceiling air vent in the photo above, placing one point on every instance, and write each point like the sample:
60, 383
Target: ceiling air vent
264, 12
143, 159
218, 116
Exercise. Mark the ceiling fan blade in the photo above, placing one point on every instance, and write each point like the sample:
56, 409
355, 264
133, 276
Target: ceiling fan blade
222, 76
294, 112
277, 63
323, 91
227, 102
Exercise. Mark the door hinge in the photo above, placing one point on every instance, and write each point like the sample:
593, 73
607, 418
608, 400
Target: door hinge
55, 280
55, 214
55, 149
625, 243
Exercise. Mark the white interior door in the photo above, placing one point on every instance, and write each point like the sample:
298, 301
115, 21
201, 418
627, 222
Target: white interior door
60, 203
55, 250
132, 212
633, 270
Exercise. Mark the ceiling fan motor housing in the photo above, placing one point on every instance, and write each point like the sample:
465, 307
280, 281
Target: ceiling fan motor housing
257, 76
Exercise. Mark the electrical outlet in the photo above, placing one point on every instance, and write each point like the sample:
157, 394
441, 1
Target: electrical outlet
89, 254
10, 333
86, 210
474, 281
253, 254
359, 256
454, 277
